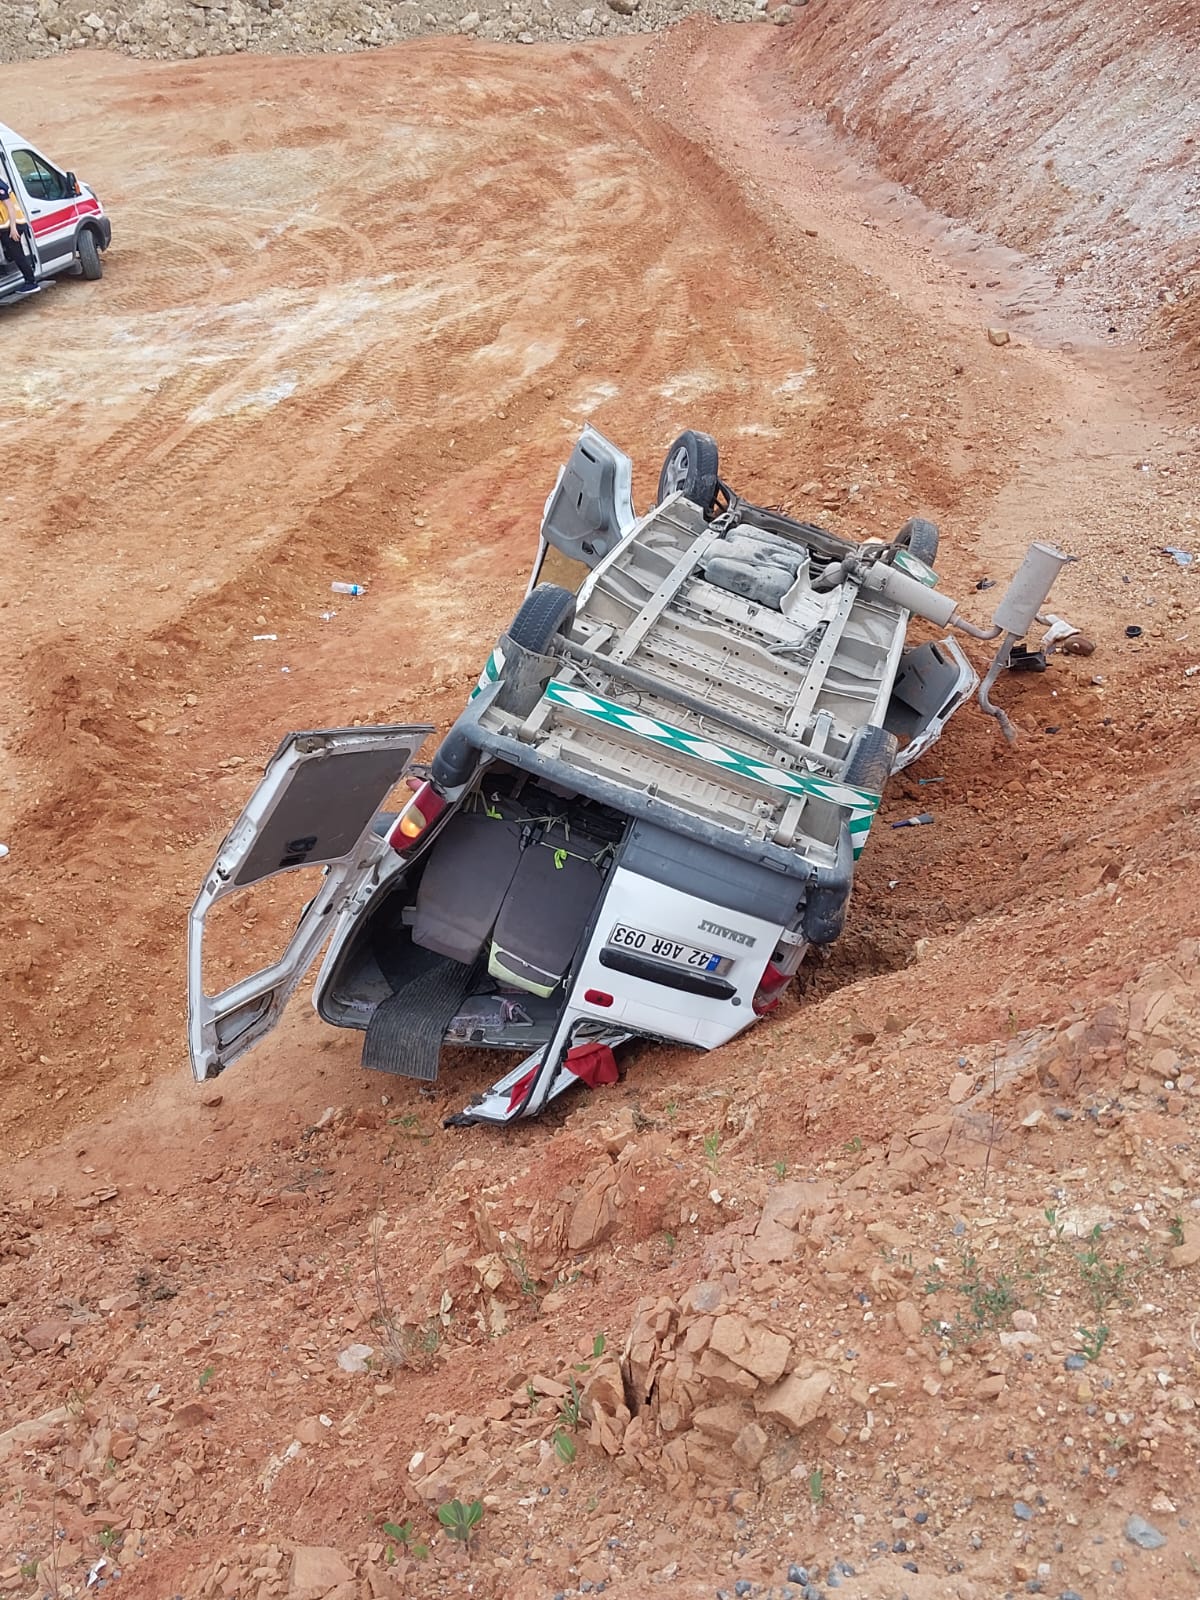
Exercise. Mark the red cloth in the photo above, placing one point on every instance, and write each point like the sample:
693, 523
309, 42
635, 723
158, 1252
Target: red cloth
522, 1084
594, 1063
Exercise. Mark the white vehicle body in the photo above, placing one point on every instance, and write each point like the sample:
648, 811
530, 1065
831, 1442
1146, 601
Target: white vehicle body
646, 813
67, 222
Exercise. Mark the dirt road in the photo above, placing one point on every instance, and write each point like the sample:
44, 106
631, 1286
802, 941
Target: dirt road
348, 330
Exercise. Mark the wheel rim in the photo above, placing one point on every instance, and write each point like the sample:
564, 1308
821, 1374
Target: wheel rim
677, 469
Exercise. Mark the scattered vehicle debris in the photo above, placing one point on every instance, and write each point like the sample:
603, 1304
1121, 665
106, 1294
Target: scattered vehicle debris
1022, 660
1181, 558
649, 809
919, 821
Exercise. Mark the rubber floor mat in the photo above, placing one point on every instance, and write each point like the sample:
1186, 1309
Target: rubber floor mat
404, 1036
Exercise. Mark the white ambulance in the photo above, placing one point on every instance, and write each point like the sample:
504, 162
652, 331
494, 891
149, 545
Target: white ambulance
67, 222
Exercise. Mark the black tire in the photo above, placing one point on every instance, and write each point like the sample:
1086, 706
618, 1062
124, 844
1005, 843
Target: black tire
920, 539
89, 255
871, 756
691, 466
454, 761
546, 612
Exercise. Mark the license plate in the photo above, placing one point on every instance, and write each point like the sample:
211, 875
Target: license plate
653, 944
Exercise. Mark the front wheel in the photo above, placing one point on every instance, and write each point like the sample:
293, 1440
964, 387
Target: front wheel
690, 468
90, 263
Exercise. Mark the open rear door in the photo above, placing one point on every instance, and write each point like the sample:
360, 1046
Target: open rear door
314, 808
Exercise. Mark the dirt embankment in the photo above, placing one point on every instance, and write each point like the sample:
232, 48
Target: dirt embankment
1067, 131
898, 1290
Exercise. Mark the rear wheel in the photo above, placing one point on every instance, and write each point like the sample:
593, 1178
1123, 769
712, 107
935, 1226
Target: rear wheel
546, 612
920, 539
690, 468
89, 255
871, 756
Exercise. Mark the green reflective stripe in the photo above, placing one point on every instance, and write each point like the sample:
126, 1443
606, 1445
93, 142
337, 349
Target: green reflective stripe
492, 668
904, 562
861, 803
859, 823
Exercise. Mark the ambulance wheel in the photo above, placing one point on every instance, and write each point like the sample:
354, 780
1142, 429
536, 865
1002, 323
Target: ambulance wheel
90, 263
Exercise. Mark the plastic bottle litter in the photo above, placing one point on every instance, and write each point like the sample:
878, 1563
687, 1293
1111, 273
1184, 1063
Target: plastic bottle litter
260, 636
918, 821
348, 588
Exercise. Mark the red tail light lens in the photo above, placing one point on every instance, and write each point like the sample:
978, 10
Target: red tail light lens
425, 807
597, 997
770, 989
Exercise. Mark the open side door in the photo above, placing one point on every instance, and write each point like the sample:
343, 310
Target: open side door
313, 808
933, 681
590, 508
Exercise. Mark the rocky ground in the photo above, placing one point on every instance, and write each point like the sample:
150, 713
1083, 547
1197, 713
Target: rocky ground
896, 1295
166, 29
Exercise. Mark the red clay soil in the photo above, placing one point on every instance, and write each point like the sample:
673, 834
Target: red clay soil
1065, 131
949, 1192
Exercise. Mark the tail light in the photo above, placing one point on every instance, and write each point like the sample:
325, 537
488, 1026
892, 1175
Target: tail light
770, 989
425, 807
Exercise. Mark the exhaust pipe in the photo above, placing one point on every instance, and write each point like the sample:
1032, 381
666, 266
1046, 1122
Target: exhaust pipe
1016, 614
1030, 589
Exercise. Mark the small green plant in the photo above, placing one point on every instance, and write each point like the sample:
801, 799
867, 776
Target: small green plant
459, 1520
1103, 1280
29, 1570
853, 1146
206, 1377
1052, 1217
816, 1486
564, 1446
988, 1302
410, 1126
402, 1535
598, 1344
569, 1410
1092, 1341
109, 1539
672, 1110
669, 1239
712, 1148
1175, 1227
519, 1268
781, 1169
